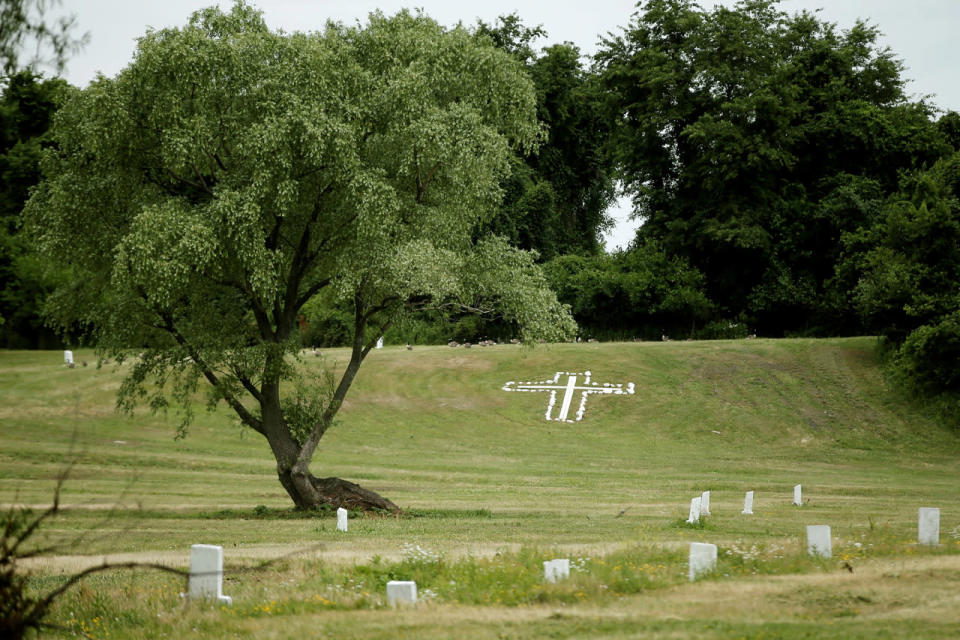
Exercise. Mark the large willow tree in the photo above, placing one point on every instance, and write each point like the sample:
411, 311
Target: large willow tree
230, 174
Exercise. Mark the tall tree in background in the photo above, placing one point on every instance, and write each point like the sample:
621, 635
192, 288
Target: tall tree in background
908, 265
230, 174
27, 105
748, 139
28, 39
556, 199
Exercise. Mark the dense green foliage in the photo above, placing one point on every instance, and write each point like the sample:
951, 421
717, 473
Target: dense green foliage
27, 105
909, 263
747, 137
556, 199
642, 293
230, 174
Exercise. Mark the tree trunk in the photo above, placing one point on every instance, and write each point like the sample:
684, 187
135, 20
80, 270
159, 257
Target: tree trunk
335, 492
293, 458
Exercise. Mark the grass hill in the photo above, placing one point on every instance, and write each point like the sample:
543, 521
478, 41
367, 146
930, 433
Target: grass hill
487, 480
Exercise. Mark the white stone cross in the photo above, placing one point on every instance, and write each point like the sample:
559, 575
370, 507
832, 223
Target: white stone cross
569, 388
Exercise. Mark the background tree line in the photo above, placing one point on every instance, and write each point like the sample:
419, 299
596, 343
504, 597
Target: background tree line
785, 182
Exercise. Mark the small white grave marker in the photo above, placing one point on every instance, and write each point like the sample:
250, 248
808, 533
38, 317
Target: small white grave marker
554, 570
68, 357
928, 525
818, 540
401, 592
798, 496
569, 388
341, 519
703, 559
206, 573
748, 504
380, 342
694, 510
705, 503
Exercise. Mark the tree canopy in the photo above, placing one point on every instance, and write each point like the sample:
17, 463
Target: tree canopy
908, 266
740, 131
556, 199
27, 105
230, 174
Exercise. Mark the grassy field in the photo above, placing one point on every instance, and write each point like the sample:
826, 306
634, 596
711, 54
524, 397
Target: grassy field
492, 489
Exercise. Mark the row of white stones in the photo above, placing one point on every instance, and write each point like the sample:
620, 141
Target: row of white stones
206, 561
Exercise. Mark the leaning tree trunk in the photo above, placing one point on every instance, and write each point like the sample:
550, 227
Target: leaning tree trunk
293, 460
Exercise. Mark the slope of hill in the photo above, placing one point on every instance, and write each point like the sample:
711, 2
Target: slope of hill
433, 428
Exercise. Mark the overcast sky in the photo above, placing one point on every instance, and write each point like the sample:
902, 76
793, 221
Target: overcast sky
920, 33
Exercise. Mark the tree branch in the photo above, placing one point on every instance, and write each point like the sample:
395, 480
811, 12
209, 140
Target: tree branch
216, 158
299, 264
248, 418
312, 291
426, 184
357, 354
197, 185
248, 385
423, 185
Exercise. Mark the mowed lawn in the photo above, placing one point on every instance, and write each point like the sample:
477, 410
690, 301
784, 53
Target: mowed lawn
491, 489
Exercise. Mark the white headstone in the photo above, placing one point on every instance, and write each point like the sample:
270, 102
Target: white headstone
818, 540
797, 496
554, 570
694, 510
68, 357
206, 573
401, 592
928, 525
705, 503
703, 559
380, 342
341, 519
748, 504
